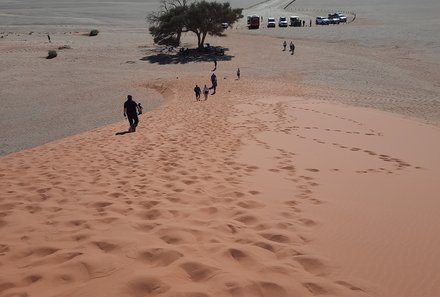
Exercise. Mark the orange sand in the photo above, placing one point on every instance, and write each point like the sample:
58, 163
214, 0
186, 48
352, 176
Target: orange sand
225, 198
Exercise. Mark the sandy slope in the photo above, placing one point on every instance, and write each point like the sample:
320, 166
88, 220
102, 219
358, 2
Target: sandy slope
387, 59
217, 198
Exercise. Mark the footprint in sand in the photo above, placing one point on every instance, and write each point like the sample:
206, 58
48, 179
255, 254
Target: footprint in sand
8, 285
279, 238
159, 257
146, 227
210, 210
262, 288
265, 245
80, 237
146, 286
239, 256
249, 204
149, 204
348, 285
105, 246
312, 265
307, 222
315, 288
292, 203
101, 204
30, 279
247, 219
198, 272
4, 249
152, 214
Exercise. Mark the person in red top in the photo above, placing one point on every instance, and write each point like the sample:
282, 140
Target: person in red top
131, 110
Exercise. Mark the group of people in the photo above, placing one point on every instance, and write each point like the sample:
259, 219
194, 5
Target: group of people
213, 87
198, 91
133, 109
291, 46
303, 23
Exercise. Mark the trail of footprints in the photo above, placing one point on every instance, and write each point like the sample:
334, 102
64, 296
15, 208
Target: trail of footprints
177, 210
397, 163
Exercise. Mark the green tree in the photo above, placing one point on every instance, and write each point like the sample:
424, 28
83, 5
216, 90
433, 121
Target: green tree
167, 24
201, 18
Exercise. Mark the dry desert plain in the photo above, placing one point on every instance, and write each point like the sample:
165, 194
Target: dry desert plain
315, 174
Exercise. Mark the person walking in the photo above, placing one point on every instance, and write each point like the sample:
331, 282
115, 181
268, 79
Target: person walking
238, 73
284, 46
292, 48
214, 83
206, 92
131, 113
310, 24
215, 64
197, 91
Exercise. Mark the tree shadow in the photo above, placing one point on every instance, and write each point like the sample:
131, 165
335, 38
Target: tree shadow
184, 56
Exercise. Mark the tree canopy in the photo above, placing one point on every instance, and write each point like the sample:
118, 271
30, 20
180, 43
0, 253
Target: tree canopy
201, 18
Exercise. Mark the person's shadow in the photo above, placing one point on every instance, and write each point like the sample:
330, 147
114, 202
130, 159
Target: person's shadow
122, 133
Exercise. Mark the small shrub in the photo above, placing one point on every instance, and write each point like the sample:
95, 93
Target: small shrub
94, 32
64, 47
51, 54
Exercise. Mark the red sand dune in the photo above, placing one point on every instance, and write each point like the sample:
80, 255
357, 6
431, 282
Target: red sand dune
220, 198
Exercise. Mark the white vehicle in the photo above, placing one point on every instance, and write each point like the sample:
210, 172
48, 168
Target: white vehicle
321, 20
342, 17
283, 22
333, 19
271, 23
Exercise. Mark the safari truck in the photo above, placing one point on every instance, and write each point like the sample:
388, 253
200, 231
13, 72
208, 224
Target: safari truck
254, 22
295, 21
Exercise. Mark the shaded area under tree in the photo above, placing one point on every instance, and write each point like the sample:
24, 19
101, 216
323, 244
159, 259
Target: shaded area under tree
188, 55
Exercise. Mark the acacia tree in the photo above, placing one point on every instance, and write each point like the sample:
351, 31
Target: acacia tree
202, 18
167, 24
205, 18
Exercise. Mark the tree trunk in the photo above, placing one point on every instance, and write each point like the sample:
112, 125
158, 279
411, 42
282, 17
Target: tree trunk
199, 44
203, 38
179, 34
